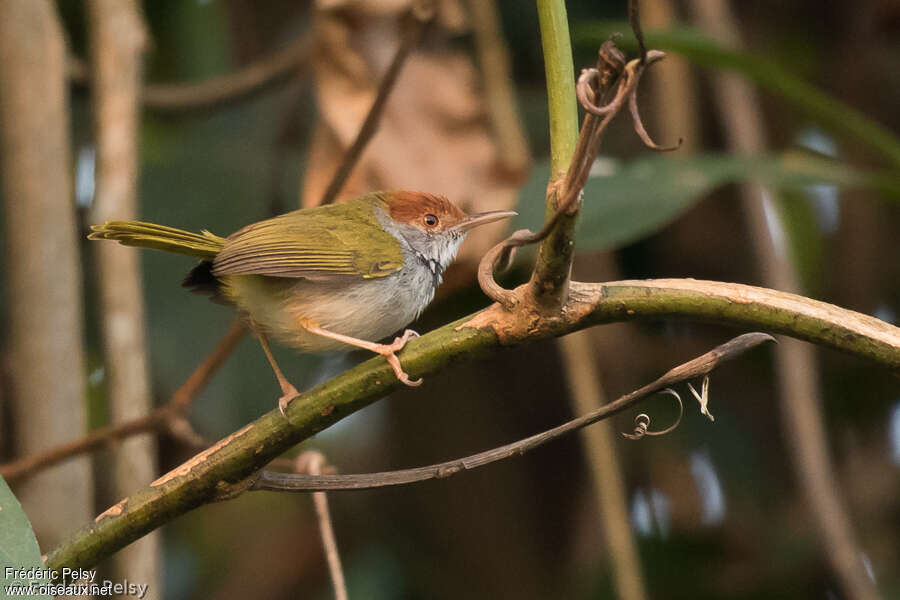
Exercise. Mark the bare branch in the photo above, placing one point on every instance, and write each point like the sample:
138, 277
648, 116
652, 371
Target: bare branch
313, 462
220, 91
582, 353
698, 367
634, 19
168, 417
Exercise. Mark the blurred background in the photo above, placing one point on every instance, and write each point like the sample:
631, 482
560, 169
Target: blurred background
787, 178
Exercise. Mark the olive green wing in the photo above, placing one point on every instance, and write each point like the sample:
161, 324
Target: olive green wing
334, 241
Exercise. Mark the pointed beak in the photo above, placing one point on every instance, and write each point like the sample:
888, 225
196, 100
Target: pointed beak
483, 219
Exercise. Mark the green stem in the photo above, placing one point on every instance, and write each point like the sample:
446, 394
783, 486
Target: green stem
554, 261
560, 74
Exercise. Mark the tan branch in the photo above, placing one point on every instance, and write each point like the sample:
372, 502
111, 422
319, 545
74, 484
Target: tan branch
313, 463
219, 91
168, 417
580, 354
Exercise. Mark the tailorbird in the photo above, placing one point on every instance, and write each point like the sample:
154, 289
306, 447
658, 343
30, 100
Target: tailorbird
324, 278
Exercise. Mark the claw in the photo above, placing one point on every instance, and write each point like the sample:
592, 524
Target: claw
388, 351
290, 392
400, 342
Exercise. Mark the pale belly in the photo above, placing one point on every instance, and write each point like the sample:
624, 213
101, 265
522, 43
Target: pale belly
367, 309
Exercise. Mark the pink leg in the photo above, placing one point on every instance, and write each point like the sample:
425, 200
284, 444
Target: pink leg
386, 350
289, 392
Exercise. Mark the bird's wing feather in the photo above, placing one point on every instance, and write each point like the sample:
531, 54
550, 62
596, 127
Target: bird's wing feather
335, 241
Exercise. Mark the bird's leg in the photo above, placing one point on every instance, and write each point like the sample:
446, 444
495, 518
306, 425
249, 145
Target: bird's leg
288, 391
386, 350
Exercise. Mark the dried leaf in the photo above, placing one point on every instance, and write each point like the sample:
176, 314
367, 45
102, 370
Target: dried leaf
434, 135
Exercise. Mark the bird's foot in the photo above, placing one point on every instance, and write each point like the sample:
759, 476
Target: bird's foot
389, 352
386, 350
289, 392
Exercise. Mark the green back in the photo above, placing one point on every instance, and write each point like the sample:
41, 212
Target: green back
337, 240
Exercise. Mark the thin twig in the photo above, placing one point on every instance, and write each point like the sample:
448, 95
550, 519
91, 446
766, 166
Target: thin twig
414, 26
513, 155
698, 367
166, 417
580, 352
312, 462
30, 465
634, 19
205, 370
219, 91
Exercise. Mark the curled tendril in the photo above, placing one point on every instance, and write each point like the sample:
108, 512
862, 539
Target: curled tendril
584, 89
611, 73
642, 131
642, 421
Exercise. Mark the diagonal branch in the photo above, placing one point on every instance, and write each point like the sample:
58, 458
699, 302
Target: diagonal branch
698, 367
247, 450
169, 416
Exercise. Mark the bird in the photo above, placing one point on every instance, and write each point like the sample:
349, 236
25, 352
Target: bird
326, 278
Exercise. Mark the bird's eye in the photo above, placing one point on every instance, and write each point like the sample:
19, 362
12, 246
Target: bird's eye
431, 220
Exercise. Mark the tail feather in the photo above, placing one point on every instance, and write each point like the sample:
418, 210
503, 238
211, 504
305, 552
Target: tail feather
204, 245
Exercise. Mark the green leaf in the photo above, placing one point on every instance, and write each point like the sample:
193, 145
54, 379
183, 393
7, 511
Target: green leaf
18, 546
644, 195
767, 74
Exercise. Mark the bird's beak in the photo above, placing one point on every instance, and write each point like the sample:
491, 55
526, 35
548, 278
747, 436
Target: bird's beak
483, 218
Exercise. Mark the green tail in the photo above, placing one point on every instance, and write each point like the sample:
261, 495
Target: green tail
204, 245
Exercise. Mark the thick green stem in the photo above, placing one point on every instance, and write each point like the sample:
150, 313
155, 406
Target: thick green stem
203, 478
560, 74
554, 261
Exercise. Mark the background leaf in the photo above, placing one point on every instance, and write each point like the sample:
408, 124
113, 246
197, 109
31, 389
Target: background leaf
642, 196
767, 74
18, 546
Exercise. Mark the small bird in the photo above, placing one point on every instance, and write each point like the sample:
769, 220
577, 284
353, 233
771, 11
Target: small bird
324, 278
